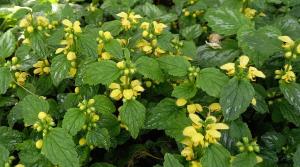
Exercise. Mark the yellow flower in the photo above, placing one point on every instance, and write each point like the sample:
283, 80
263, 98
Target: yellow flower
72, 71
121, 64
181, 102
253, 101
197, 139
195, 164
24, 23
229, 67
42, 115
196, 120
39, 144
250, 13
134, 17
188, 153
158, 27
288, 42
212, 135
145, 25
244, 60
67, 23
147, 49
289, 76
187, 141
82, 142
253, 73
259, 159
21, 77
189, 131
30, 29
298, 49
42, 21
71, 56
192, 108
116, 94
127, 19
106, 56
158, 51
76, 27
20, 165
128, 94
214, 107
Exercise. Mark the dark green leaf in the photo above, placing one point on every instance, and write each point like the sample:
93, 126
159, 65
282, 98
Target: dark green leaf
7, 44
191, 32
212, 81
103, 104
59, 148
103, 72
5, 79
149, 67
215, 156
236, 97
4, 154
99, 137
74, 120
244, 159
114, 48
60, 68
291, 92
174, 65
185, 90
171, 161
133, 115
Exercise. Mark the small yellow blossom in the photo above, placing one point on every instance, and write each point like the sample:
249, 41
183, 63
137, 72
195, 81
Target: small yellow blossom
42, 67
21, 77
253, 101
71, 56
127, 19
42, 115
214, 107
20, 165
24, 23
195, 164
298, 49
244, 60
250, 13
39, 144
288, 42
192, 108
145, 25
253, 73
188, 153
229, 67
82, 141
158, 27
181, 102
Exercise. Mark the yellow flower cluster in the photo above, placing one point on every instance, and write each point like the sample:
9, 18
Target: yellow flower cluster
42, 67
196, 108
201, 134
250, 13
14, 63
287, 75
39, 144
21, 77
71, 29
149, 44
90, 112
103, 36
126, 90
243, 64
129, 19
289, 46
45, 123
194, 14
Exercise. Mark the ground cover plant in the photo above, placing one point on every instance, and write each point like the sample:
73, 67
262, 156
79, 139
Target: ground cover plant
142, 83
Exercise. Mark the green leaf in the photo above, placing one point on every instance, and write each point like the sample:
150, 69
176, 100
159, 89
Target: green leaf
209, 57
103, 104
291, 92
254, 43
296, 156
212, 81
9, 138
39, 45
185, 90
151, 10
167, 116
110, 122
244, 159
60, 67
133, 115
174, 65
171, 161
215, 155
236, 97
225, 21
31, 106
4, 154
73, 121
191, 32
7, 44
99, 137
114, 48
149, 67
238, 129
114, 27
87, 45
59, 148
273, 140
103, 72
288, 112
5, 79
